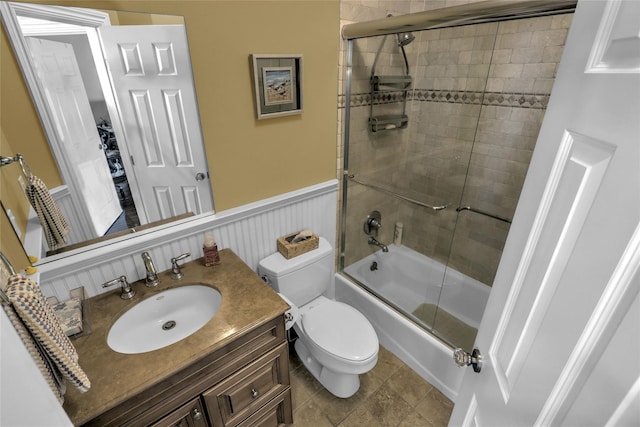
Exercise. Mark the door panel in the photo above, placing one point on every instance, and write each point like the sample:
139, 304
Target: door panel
568, 197
151, 71
68, 101
557, 334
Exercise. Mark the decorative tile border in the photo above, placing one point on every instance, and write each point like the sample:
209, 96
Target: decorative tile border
364, 99
520, 100
456, 97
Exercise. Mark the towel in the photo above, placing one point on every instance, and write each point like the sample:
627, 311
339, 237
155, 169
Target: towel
54, 224
50, 372
29, 302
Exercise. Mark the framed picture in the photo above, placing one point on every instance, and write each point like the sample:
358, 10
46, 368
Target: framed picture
277, 84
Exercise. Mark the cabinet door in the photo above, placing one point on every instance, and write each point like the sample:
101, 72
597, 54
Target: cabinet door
189, 415
246, 391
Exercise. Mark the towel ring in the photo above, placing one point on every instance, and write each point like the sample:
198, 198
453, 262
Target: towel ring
26, 170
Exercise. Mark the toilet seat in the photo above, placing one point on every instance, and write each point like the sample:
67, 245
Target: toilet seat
340, 330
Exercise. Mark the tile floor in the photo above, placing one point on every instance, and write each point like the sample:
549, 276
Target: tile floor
390, 395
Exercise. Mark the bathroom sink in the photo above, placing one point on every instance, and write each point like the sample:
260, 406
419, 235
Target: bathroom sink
163, 319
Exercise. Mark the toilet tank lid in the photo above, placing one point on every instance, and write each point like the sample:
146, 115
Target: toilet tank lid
277, 265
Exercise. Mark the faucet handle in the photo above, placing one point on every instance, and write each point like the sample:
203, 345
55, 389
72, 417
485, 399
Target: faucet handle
373, 223
127, 291
176, 273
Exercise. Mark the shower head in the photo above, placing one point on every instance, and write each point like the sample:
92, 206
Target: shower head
405, 38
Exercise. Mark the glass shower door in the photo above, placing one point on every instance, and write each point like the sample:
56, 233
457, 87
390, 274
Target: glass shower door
414, 176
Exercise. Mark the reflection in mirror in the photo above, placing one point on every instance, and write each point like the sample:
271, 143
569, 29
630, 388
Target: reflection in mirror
115, 95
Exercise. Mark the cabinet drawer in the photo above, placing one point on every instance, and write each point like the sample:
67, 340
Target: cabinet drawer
238, 396
273, 414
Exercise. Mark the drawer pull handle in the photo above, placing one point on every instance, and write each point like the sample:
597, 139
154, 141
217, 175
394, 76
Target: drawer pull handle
254, 393
197, 415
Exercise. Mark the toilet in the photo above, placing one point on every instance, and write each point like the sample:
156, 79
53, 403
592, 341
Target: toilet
336, 343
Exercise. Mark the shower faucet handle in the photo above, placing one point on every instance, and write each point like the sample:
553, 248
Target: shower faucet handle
372, 224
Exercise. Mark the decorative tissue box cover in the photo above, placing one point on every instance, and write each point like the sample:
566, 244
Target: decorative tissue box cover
290, 250
69, 313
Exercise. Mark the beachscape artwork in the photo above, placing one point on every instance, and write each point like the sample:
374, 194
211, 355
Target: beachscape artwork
277, 85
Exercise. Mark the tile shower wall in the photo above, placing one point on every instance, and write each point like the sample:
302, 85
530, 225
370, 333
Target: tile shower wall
514, 64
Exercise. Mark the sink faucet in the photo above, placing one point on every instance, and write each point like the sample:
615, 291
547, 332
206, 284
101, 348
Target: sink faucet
152, 276
373, 241
176, 273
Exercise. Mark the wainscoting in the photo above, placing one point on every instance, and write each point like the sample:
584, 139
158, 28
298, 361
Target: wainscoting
250, 231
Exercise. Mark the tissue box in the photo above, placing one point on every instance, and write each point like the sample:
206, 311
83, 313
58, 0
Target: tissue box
69, 313
290, 250
72, 314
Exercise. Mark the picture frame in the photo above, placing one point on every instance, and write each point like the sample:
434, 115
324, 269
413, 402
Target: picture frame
277, 80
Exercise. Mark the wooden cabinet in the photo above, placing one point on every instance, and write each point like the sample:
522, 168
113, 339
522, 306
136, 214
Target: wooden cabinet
244, 383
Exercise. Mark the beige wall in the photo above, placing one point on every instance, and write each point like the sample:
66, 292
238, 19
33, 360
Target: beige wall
249, 160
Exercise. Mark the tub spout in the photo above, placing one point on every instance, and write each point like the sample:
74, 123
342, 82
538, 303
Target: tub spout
373, 241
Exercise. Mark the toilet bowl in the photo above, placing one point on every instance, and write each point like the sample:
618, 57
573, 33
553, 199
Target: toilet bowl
335, 341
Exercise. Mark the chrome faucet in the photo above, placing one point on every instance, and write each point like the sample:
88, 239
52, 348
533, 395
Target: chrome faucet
152, 276
374, 241
176, 272
127, 292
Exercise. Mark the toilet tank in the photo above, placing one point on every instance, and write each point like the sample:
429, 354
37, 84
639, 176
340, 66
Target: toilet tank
301, 278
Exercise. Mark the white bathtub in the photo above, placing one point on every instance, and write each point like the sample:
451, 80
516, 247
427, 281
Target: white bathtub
409, 279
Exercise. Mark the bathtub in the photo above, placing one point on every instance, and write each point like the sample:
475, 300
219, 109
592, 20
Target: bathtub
407, 279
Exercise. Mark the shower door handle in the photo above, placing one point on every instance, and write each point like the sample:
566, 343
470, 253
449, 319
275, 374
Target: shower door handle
461, 358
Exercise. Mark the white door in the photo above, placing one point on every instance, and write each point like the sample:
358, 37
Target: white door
559, 337
81, 146
151, 72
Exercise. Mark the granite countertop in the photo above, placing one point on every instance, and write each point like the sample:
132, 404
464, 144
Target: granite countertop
247, 302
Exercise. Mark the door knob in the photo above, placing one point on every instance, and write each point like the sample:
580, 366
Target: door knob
197, 415
462, 358
200, 176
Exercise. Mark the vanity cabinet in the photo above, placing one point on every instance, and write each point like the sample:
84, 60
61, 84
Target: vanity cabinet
244, 383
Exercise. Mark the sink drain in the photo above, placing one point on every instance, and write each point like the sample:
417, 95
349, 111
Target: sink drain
168, 325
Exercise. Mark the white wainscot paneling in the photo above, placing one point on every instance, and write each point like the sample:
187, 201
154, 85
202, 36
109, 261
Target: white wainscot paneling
250, 231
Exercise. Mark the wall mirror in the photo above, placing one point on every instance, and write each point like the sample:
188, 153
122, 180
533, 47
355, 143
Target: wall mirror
123, 124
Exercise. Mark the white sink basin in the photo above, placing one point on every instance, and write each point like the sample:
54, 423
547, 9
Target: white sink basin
164, 319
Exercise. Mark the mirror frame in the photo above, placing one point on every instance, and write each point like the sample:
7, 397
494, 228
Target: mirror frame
9, 12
